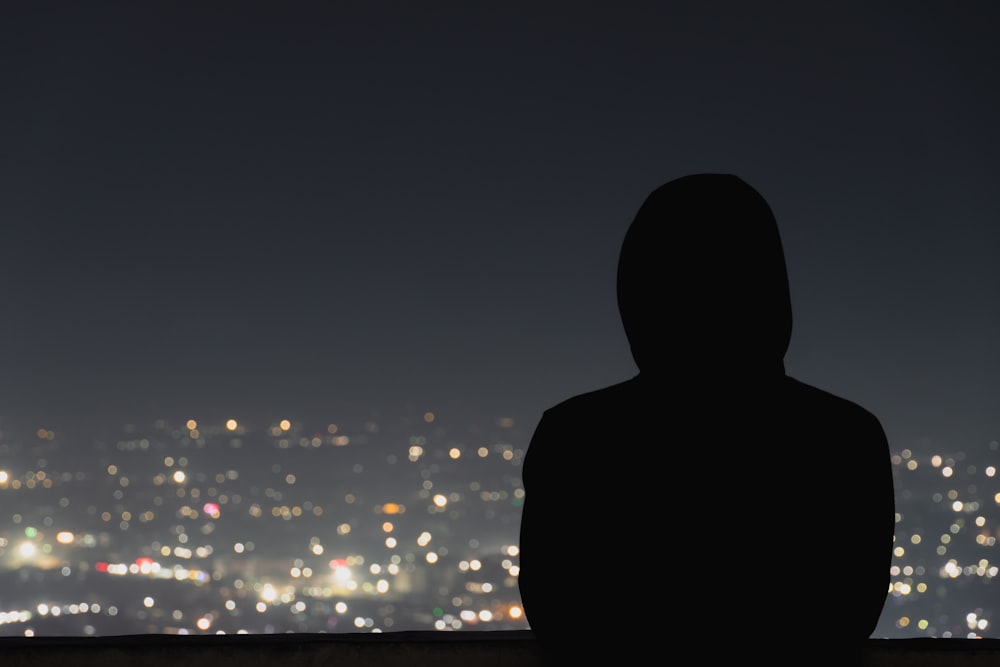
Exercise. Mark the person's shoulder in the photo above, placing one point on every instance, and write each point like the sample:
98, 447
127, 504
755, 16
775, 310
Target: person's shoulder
595, 399
580, 422
813, 399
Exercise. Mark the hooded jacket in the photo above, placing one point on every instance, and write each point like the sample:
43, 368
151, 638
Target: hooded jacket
710, 494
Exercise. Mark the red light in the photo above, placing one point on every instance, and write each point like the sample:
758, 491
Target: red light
101, 566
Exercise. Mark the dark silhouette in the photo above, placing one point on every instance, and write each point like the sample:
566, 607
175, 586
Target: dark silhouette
711, 496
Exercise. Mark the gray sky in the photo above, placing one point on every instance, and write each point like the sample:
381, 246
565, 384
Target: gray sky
274, 208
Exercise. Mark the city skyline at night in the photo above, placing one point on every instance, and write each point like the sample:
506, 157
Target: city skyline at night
339, 533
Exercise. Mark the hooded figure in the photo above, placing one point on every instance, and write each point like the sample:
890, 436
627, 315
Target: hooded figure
710, 495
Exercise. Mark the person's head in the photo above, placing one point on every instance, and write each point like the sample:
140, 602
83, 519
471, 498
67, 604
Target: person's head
702, 283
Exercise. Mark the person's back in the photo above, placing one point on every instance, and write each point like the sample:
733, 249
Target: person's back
710, 496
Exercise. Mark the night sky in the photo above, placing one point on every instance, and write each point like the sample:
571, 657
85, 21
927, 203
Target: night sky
289, 208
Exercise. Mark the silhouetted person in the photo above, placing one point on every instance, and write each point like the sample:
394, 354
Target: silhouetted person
711, 502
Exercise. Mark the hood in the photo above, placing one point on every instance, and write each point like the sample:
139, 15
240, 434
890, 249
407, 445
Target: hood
702, 282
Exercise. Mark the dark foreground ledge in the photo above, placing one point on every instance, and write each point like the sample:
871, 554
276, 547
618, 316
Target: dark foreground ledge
515, 648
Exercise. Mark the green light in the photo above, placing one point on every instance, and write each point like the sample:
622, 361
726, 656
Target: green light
30, 532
